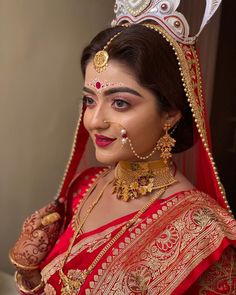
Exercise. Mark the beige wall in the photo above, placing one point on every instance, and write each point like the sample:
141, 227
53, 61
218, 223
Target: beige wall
40, 45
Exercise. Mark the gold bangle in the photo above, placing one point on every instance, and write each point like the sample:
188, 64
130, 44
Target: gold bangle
21, 266
23, 288
50, 218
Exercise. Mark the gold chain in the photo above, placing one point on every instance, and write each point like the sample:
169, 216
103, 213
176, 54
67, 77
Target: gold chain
87, 212
72, 286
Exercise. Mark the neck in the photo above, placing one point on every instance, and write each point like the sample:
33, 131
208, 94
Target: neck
144, 165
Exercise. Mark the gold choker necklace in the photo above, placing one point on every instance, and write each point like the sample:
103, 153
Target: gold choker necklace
136, 179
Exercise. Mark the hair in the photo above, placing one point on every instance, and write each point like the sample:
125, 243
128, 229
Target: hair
154, 65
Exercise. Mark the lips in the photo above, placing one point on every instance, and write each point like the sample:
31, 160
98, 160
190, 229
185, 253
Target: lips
103, 141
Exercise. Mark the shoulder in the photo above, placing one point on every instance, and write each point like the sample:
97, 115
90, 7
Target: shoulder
79, 186
195, 199
198, 209
181, 184
85, 179
201, 200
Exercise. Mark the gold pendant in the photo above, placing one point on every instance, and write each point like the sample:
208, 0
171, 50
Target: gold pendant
66, 290
71, 288
72, 285
100, 60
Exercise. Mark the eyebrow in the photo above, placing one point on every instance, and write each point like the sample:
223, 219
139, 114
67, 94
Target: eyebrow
115, 90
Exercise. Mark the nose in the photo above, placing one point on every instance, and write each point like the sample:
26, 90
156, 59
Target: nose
98, 118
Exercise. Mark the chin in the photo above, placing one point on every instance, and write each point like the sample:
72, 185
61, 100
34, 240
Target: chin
111, 159
106, 159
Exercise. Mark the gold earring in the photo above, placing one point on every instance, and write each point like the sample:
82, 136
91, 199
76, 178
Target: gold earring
165, 144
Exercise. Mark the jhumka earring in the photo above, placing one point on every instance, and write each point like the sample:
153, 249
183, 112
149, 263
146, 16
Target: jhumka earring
165, 144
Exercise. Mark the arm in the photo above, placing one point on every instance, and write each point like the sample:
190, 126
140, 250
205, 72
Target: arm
39, 233
38, 238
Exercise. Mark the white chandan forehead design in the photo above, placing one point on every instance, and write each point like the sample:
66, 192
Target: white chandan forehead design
164, 13
99, 85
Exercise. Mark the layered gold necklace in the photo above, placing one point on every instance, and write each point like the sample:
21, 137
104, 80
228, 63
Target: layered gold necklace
70, 285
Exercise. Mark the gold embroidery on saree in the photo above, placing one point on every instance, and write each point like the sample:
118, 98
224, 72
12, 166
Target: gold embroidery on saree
221, 277
138, 279
49, 290
169, 253
91, 243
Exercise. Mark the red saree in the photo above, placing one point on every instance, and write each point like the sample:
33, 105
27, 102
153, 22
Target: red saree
180, 245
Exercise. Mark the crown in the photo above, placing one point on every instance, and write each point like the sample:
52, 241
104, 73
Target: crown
164, 13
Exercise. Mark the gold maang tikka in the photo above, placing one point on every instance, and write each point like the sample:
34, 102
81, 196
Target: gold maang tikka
100, 60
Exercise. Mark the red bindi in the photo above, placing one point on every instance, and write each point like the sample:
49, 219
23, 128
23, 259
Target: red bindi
98, 85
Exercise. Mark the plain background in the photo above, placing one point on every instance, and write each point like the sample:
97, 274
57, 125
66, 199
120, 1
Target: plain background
40, 90
40, 81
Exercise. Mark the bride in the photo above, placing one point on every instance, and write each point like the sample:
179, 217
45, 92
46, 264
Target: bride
136, 224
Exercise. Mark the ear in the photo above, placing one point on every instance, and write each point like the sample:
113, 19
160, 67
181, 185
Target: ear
172, 117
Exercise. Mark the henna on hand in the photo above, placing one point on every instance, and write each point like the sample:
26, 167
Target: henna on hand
37, 238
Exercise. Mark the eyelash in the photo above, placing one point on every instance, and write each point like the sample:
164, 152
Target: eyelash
114, 101
85, 100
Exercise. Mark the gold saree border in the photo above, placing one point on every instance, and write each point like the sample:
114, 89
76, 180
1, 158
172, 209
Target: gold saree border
91, 243
187, 229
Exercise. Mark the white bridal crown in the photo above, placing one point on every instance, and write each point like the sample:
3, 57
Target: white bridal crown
164, 13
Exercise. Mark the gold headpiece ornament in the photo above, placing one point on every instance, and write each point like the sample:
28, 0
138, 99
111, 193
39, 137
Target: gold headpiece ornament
164, 13
100, 60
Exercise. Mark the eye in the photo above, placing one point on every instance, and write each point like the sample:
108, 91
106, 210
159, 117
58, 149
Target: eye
88, 101
120, 104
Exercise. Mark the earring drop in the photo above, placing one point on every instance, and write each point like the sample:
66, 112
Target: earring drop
124, 136
165, 144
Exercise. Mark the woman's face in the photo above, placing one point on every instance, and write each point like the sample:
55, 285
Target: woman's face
114, 101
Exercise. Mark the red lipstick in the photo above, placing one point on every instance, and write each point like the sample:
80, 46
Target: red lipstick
103, 141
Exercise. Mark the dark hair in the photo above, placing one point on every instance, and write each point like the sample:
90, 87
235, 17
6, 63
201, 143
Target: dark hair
153, 62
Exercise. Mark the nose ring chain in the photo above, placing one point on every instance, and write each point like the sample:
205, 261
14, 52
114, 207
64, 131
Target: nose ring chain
125, 139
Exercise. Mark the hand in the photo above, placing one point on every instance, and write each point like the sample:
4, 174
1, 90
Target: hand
39, 233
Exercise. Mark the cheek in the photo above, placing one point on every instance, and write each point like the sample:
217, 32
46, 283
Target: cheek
86, 119
145, 125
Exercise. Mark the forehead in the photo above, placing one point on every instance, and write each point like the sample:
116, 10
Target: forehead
114, 73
